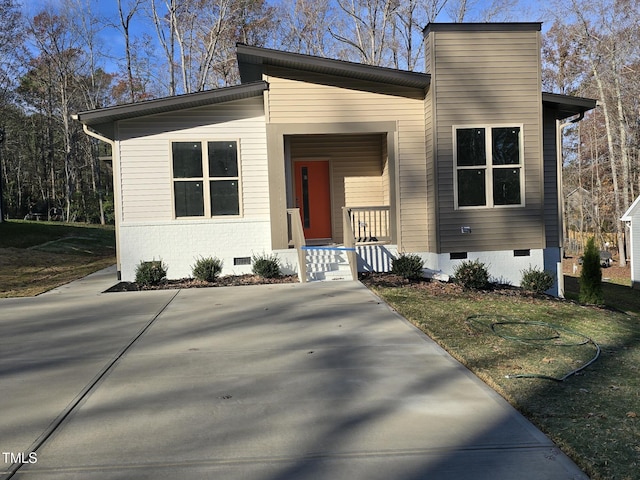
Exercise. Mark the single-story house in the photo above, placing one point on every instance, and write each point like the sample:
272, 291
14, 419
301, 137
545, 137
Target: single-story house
323, 161
632, 217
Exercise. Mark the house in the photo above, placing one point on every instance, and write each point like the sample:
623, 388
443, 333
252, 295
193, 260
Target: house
632, 217
323, 161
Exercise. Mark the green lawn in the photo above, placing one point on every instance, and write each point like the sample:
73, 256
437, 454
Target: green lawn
38, 256
593, 415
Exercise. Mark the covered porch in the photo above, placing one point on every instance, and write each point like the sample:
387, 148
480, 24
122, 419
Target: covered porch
339, 198
326, 173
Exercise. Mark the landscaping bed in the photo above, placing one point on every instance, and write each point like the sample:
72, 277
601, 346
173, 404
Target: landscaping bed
226, 281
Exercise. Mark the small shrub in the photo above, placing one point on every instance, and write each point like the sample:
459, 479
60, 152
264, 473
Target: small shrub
408, 266
472, 275
151, 273
591, 275
266, 266
207, 269
536, 281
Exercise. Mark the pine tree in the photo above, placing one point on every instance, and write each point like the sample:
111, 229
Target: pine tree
591, 275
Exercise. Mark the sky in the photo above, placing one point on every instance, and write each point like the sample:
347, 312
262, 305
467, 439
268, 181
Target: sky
527, 11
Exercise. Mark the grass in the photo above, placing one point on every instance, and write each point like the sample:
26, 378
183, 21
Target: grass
593, 415
38, 256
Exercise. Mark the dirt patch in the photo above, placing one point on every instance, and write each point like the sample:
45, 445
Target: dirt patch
226, 281
615, 273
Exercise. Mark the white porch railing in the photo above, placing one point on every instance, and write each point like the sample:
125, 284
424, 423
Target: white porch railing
369, 224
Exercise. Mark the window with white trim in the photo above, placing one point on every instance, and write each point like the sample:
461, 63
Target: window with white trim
206, 179
489, 166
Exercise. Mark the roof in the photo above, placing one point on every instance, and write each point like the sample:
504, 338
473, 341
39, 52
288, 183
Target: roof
102, 120
628, 215
482, 27
565, 106
252, 59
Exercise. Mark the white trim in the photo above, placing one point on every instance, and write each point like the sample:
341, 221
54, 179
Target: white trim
488, 167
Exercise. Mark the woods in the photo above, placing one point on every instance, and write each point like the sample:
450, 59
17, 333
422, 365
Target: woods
54, 63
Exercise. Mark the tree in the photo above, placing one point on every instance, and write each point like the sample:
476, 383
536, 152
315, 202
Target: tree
368, 27
605, 46
126, 16
591, 275
304, 27
11, 35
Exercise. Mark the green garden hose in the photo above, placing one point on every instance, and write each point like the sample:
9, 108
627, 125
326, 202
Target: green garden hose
493, 322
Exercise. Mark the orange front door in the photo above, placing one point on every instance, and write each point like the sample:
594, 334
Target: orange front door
312, 197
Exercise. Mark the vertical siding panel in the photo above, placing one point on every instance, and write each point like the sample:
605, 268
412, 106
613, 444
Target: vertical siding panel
551, 194
487, 78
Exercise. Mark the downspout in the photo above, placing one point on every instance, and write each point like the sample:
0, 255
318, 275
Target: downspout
559, 128
116, 201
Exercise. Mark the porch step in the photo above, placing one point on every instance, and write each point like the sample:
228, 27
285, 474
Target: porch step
327, 263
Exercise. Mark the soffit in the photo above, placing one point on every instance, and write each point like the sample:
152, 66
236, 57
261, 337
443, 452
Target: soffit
252, 59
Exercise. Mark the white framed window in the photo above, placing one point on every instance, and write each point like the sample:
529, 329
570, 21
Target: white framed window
206, 178
489, 166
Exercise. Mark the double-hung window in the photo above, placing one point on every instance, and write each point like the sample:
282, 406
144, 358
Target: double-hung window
206, 181
489, 166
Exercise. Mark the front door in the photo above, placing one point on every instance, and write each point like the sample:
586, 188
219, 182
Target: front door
312, 197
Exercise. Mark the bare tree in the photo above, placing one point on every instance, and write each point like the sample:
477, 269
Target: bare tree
304, 27
126, 16
369, 22
165, 26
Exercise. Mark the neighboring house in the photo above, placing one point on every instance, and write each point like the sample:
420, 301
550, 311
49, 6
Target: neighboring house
460, 162
632, 216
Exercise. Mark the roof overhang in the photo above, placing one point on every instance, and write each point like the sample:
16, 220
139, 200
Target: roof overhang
482, 27
564, 106
103, 119
251, 62
629, 214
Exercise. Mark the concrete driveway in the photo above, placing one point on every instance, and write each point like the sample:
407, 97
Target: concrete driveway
315, 381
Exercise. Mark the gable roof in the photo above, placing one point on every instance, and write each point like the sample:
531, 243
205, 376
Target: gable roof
251, 61
628, 215
102, 120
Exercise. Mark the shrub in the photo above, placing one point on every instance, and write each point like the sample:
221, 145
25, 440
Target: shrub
472, 275
151, 273
591, 275
408, 266
265, 266
536, 281
207, 269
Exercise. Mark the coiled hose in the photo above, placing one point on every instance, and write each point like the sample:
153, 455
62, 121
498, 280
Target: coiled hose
493, 322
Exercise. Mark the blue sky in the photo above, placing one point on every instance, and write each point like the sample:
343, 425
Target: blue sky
527, 11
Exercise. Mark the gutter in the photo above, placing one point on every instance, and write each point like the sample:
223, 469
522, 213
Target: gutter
559, 128
116, 201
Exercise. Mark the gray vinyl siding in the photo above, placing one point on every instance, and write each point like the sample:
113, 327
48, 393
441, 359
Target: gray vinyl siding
552, 221
145, 168
485, 79
312, 99
356, 166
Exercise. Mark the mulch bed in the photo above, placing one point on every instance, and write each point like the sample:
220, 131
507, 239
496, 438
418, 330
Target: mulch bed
226, 281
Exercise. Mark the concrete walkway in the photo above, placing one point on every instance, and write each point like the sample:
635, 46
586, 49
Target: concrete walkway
315, 381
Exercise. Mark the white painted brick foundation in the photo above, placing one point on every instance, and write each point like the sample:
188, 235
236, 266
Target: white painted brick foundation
178, 244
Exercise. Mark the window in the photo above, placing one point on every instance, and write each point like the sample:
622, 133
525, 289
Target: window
489, 166
205, 178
